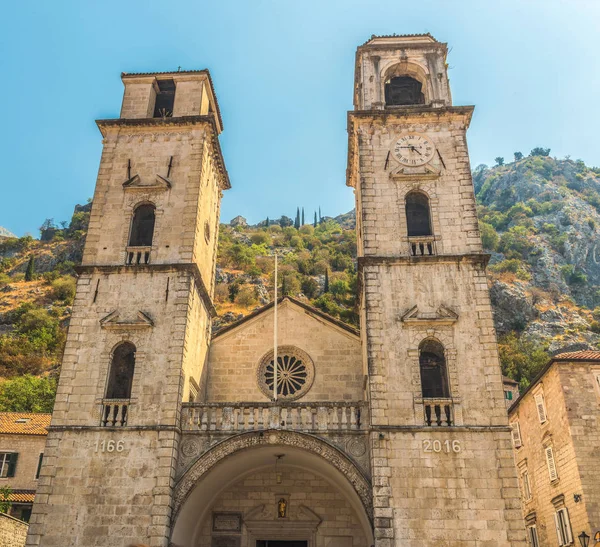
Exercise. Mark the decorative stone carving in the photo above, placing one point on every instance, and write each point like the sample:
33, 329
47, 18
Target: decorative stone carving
356, 447
309, 443
295, 373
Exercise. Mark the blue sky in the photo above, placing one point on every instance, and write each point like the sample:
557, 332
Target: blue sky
283, 73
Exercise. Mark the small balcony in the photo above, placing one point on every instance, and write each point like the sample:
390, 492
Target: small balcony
438, 412
421, 245
114, 412
242, 417
134, 256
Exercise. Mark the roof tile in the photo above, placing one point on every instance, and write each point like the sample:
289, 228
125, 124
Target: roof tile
24, 423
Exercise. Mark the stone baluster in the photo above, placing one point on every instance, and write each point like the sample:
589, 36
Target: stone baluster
213, 418
344, 417
260, 424
227, 418
251, 418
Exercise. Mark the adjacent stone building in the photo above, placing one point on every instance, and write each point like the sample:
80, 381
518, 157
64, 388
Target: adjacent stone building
556, 438
287, 428
22, 442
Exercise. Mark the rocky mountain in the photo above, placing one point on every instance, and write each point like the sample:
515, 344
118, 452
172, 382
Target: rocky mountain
5, 233
540, 222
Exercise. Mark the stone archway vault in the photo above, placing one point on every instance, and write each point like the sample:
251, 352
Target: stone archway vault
218, 467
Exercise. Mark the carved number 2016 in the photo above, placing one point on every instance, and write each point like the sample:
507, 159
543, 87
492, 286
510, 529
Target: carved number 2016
439, 446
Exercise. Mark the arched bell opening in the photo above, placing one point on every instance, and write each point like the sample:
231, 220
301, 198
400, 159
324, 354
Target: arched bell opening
237, 481
406, 84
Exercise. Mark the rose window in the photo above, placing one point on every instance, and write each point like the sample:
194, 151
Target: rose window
295, 372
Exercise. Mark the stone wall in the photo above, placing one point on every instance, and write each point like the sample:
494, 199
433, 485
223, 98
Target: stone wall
177, 232
571, 397
456, 488
235, 356
29, 448
315, 509
12, 531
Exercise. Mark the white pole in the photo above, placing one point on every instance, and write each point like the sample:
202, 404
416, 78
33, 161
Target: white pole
275, 336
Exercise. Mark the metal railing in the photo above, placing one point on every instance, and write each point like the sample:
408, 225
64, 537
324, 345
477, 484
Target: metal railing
316, 416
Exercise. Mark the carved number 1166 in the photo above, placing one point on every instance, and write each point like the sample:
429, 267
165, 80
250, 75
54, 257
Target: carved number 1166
109, 446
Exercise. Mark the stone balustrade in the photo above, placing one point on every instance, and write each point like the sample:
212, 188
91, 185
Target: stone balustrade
114, 412
137, 255
421, 245
438, 412
240, 417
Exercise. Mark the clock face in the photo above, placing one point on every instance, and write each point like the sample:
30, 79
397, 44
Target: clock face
413, 150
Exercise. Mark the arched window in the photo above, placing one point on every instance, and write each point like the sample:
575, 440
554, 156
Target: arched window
403, 90
120, 376
434, 377
418, 221
142, 226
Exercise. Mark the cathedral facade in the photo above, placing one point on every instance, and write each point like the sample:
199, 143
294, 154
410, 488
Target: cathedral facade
397, 434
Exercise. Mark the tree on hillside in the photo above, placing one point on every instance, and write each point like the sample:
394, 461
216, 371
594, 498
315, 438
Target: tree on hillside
538, 151
518, 156
27, 394
302, 223
499, 160
326, 287
267, 222
285, 221
30, 272
297, 221
320, 217
315, 221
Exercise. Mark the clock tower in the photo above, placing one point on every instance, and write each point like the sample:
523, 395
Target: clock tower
442, 463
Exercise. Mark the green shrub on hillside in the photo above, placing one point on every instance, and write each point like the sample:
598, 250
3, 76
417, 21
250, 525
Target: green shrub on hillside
521, 359
63, 289
27, 394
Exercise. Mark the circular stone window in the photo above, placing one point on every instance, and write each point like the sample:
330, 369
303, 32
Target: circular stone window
295, 373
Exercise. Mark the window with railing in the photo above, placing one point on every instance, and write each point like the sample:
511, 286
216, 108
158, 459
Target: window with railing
418, 224
141, 235
435, 390
115, 406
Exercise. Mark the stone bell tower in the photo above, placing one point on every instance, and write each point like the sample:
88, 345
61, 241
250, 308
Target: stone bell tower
141, 320
442, 465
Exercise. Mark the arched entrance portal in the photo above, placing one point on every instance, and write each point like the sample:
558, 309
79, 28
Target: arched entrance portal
237, 495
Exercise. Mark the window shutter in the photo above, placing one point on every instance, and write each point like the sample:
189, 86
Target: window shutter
568, 530
541, 408
12, 464
516, 434
526, 485
551, 463
559, 533
39, 466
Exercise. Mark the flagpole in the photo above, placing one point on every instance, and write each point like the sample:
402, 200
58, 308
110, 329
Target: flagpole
275, 336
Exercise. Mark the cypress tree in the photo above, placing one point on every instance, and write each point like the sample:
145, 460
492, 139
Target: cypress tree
283, 287
320, 217
267, 222
315, 221
297, 221
326, 288
302, 224
30, 272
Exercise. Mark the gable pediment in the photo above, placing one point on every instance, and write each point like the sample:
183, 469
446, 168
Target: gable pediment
443, 315
114, 321
137, 183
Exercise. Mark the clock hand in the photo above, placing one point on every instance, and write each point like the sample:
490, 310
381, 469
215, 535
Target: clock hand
415, 150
